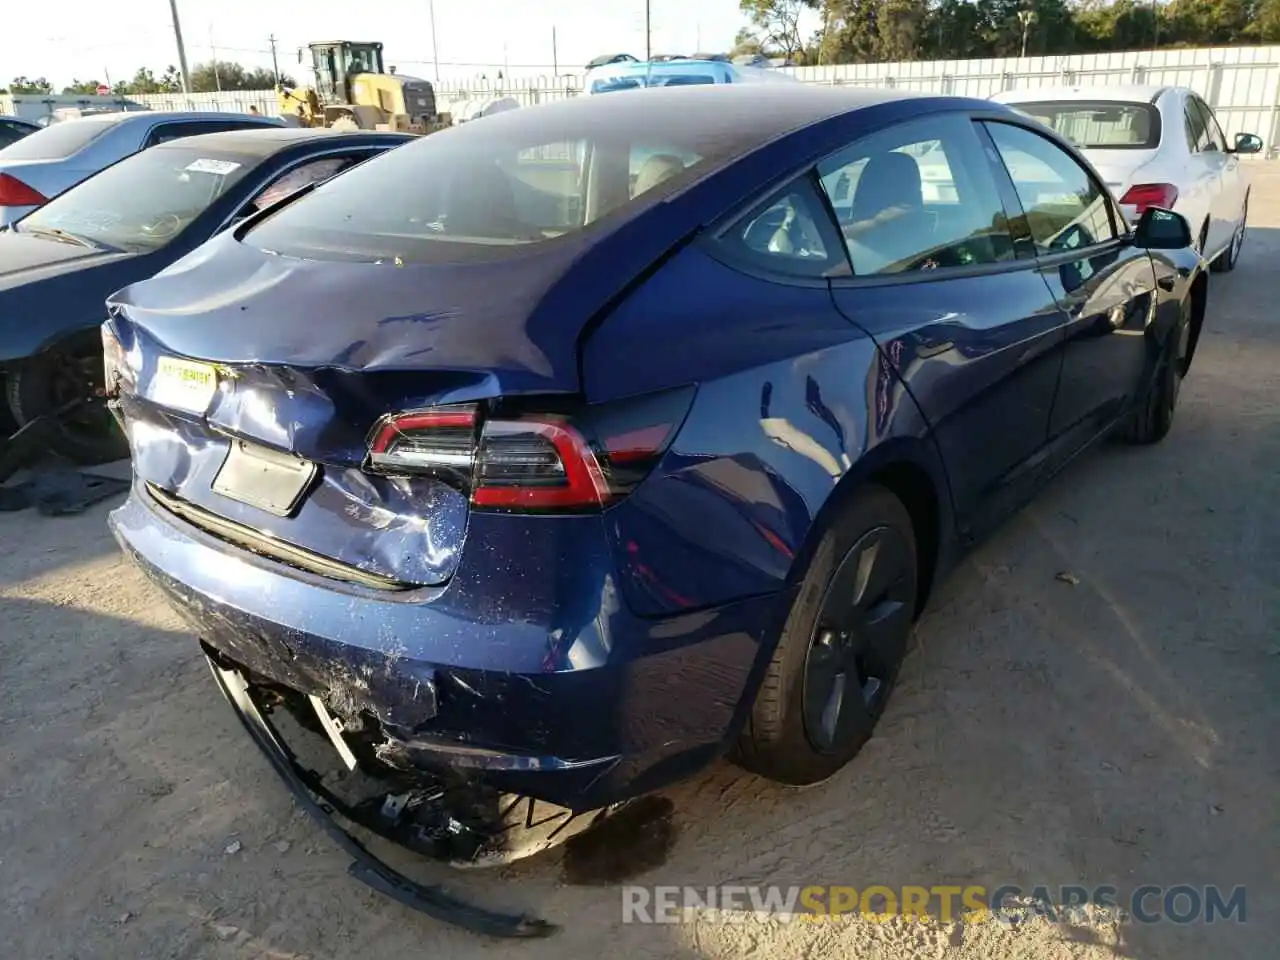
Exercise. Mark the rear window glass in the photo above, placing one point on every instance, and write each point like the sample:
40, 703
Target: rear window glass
1099, 125
57, 141
477, 191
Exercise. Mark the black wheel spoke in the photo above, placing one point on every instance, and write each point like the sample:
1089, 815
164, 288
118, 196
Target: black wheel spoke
859, 640
883, 638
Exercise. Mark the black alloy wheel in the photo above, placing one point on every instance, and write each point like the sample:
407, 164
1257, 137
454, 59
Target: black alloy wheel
858, 641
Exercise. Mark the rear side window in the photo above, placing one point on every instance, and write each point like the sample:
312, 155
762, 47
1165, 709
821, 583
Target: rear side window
1098, 125
12, 132
1066, 208
57, 141
1212, 132
790, 235
919, 196
294, 180
178, 129
1197, 128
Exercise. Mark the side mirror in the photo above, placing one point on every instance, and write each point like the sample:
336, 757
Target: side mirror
1160, 229
1247, 143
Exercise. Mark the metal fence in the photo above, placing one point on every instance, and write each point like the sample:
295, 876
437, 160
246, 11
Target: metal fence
1242, 84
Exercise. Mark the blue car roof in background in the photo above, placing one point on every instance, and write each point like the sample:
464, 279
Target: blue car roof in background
629, 75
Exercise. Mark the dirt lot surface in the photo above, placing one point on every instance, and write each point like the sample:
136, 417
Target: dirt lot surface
1118, 729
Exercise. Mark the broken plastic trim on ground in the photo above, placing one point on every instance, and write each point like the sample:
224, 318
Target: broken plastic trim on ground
250, 703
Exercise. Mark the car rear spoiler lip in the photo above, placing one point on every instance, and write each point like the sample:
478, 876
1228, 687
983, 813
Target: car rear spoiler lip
365, 867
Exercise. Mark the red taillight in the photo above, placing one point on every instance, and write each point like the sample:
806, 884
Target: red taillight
1143, 195
15, 193
533, 461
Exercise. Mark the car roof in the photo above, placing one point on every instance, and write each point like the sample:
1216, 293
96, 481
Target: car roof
1121, 93
270, 140
753, 113
150, 116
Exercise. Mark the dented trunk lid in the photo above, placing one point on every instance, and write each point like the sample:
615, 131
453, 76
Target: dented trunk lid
308, 356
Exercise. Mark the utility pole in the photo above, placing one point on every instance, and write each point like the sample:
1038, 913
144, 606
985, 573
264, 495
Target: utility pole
275, 64
435, 50
182, 51
213, 52
648, 34
555, 59
1027, 17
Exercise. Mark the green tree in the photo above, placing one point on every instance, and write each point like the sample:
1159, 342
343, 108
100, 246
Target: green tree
233, 76
852, 34
81, 87
900, 26
777, 24
27, 85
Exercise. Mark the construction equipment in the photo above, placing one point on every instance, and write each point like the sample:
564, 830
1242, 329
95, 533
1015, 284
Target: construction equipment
354, 91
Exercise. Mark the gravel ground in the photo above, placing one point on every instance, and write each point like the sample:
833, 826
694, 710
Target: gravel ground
1115, 729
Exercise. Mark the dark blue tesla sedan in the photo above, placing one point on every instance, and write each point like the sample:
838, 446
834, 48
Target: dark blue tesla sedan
552, 456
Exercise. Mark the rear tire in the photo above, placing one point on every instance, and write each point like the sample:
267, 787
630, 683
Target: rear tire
847, 631
40, 386
1150, 423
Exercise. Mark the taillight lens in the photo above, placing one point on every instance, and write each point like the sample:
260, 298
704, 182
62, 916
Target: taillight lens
1143, 195
15, 193
533, 461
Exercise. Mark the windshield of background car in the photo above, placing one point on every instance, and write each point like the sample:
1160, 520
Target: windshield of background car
144, 201
1099, 125
57, 141
476, 191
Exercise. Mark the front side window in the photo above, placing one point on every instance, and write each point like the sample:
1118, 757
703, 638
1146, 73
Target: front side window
1066, 208
144, 201
920, 196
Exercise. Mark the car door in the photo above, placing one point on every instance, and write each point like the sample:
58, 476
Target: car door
946, 283
1201, 194
1228, 197
1104, 284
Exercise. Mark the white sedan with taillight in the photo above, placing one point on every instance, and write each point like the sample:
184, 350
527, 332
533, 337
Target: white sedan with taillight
1156, 147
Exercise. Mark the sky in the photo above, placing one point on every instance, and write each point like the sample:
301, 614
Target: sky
90, 39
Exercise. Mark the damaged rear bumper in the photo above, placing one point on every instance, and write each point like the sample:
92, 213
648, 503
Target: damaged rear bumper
535, 679
365, 867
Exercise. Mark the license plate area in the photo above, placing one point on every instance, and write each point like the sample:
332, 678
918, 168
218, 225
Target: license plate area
267, 479
184, 384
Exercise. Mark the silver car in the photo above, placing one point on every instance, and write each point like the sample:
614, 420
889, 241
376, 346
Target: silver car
58, 157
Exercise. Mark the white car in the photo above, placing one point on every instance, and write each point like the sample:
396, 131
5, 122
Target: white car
1155, 147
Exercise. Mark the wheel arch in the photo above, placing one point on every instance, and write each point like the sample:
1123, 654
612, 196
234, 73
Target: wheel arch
911, 470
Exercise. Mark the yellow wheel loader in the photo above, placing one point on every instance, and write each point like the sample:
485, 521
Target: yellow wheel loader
354, 91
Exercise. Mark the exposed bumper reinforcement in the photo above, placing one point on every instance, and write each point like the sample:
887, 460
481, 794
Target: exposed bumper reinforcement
365, 867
